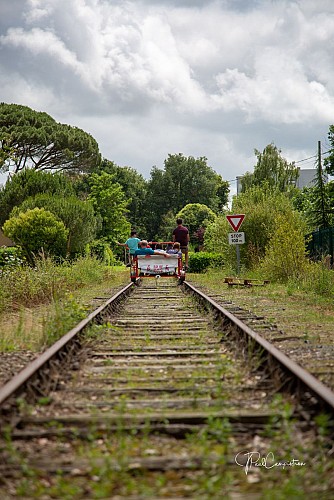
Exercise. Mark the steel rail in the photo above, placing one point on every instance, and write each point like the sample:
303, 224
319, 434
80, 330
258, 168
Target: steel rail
314, 385
16, 383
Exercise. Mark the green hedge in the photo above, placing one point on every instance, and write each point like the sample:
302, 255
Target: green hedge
201, 261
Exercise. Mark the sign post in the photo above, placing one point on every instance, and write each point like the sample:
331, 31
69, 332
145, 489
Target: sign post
236, 238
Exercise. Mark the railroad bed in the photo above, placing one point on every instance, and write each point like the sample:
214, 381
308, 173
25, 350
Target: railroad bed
160, 408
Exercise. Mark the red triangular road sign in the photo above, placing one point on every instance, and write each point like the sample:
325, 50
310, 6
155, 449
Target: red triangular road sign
235, 220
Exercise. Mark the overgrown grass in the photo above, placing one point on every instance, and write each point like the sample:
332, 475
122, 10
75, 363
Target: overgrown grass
26, 286
317, 280
38, 305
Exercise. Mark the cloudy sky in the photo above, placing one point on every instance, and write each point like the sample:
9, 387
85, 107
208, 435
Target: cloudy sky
151, 77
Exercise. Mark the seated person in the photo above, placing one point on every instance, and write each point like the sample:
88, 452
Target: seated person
159, 249
176, 249
145, 250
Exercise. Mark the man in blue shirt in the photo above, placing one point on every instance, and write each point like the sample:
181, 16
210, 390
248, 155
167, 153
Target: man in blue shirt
131, 243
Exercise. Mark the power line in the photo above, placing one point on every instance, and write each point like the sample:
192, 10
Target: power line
305, 159
310, 157
299, 161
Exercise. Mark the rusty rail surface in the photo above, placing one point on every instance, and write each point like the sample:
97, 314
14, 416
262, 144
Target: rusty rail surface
15, 385
306, 379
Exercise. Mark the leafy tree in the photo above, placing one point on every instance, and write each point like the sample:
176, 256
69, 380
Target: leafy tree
322, 210
184, 180
33, 139
78, 217
316, 210
271, 169
110, 204
158, 203
37, 230
135, 189
329, 161
316, 203
167, 224
28, 183
216, 237
196, 216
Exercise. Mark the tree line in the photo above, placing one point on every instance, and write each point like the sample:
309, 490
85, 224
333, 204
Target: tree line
63, 196
55, 168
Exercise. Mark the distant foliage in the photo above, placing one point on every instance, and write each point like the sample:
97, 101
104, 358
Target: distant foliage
329, 161
29, 183
110, 204
135, 189
201, 261
78, 217
216, 240
261, 207
271, 169
183, 180
196, 216
37, 231
286, 256
102, 251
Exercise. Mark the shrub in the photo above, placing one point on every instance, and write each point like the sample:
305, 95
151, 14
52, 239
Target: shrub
286, 252
72, 212
262, 208
11, 257
102, 251
29, 183
196, 216
35, 231
201, 261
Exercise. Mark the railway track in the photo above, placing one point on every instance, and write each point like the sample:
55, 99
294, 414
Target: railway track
317, 357
160, 406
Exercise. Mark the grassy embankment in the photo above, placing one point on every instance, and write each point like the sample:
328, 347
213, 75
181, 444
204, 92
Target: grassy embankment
301, 306
38, 305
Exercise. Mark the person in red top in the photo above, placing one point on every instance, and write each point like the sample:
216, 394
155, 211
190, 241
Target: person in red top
181, 235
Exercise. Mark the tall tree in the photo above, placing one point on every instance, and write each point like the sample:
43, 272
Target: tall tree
316, 203
135, 189
271, 169
110, 204
184, 180
322, 209
329, 161
33, 139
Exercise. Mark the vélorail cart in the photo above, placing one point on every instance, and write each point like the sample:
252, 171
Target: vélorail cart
151, 266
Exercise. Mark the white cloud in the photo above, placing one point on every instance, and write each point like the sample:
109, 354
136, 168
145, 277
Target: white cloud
213, 78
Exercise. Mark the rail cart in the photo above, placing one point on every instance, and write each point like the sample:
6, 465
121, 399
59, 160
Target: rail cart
151, 266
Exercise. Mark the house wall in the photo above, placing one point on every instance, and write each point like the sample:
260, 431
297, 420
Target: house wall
4, 241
